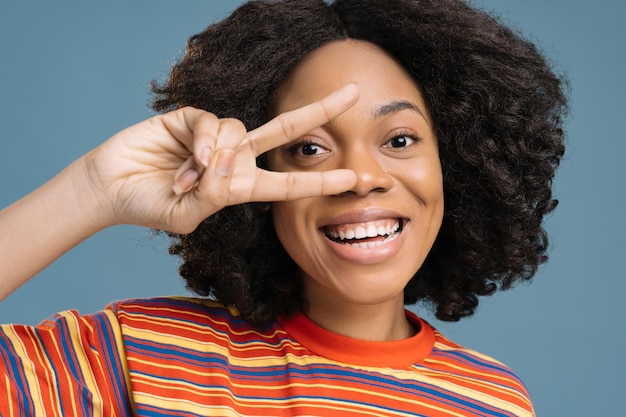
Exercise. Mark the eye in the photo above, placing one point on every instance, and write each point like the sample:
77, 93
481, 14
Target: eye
310, 149
401, 141
306, 148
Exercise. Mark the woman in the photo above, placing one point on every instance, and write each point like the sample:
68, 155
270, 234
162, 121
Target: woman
318, 166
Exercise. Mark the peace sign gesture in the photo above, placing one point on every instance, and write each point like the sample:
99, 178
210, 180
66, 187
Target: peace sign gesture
172, 171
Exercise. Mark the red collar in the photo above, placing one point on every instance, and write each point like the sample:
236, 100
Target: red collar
398, 353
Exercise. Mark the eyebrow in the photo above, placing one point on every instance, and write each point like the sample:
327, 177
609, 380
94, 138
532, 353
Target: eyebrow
396, 106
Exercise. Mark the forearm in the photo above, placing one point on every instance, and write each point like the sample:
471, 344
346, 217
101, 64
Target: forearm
42, 226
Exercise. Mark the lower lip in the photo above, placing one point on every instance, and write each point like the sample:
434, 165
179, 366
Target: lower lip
372, 255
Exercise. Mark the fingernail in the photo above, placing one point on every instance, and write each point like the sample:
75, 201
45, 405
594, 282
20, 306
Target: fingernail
205, 157
177, 189
185, 181
350, 91
225, 162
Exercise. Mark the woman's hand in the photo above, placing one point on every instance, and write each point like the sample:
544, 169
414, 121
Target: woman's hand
172, 171
169, 172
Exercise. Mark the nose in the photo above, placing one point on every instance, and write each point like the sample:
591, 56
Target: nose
372, 176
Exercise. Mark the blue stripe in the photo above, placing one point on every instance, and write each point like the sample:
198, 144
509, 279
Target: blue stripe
15, 372
476, 362
153, 411
114, 368
69, 359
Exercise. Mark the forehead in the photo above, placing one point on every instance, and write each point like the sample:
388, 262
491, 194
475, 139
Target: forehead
379, 76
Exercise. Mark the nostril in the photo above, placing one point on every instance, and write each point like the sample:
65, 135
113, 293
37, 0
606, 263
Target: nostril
368, 183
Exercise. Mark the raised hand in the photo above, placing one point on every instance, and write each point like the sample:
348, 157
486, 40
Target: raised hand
172, 171
169, 172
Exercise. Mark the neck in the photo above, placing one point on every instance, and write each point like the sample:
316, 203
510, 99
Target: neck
384, 321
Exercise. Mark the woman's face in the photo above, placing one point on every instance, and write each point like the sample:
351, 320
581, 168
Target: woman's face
362, 246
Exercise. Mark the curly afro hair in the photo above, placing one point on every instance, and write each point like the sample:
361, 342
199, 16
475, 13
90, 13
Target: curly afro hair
497, 107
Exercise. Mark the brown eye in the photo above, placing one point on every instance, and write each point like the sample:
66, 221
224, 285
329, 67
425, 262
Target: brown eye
310, 149
306, 149
400, 142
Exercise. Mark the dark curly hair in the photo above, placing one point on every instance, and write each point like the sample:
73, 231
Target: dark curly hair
497, 108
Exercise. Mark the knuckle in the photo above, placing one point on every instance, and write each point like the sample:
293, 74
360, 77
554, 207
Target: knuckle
287, 126
322, 182
207, 117
233, 127
236, 124
291, 184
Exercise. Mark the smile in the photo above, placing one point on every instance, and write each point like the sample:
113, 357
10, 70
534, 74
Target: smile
365, 235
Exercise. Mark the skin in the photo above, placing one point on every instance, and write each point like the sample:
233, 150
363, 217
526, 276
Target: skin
387, 139
168, 172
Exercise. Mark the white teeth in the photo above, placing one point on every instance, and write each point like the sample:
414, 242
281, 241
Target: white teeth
373, 229
367, 245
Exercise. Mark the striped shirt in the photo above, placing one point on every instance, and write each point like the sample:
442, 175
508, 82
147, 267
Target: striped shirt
192, 357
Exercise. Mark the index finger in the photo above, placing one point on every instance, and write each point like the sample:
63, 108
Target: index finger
292, 124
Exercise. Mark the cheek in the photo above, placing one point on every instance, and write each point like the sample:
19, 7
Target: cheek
424, 179
284, 215
294, 231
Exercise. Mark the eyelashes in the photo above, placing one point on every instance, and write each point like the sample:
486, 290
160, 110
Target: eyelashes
305, 147
402, 140
308, 147
310, 151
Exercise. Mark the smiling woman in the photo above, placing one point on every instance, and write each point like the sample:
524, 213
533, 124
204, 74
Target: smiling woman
357, 156
347, 281
493, 103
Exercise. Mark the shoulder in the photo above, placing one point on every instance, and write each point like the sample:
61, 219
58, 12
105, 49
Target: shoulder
169, 306
180, 316
472, 361
190, 310
478, 373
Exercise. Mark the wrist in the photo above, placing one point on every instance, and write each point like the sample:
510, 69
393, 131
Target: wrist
87, 198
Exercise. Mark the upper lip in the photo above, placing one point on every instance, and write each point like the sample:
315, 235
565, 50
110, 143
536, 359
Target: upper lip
362, 216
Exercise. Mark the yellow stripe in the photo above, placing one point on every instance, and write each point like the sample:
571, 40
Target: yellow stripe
489, 379
52, 394
28, 368
121, 351
199, 343
177, 404
7, 384
433, 378
225, 349
84, 365
67, 376
181, 405
143, 317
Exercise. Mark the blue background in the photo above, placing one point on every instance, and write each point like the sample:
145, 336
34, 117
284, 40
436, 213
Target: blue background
73, 73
